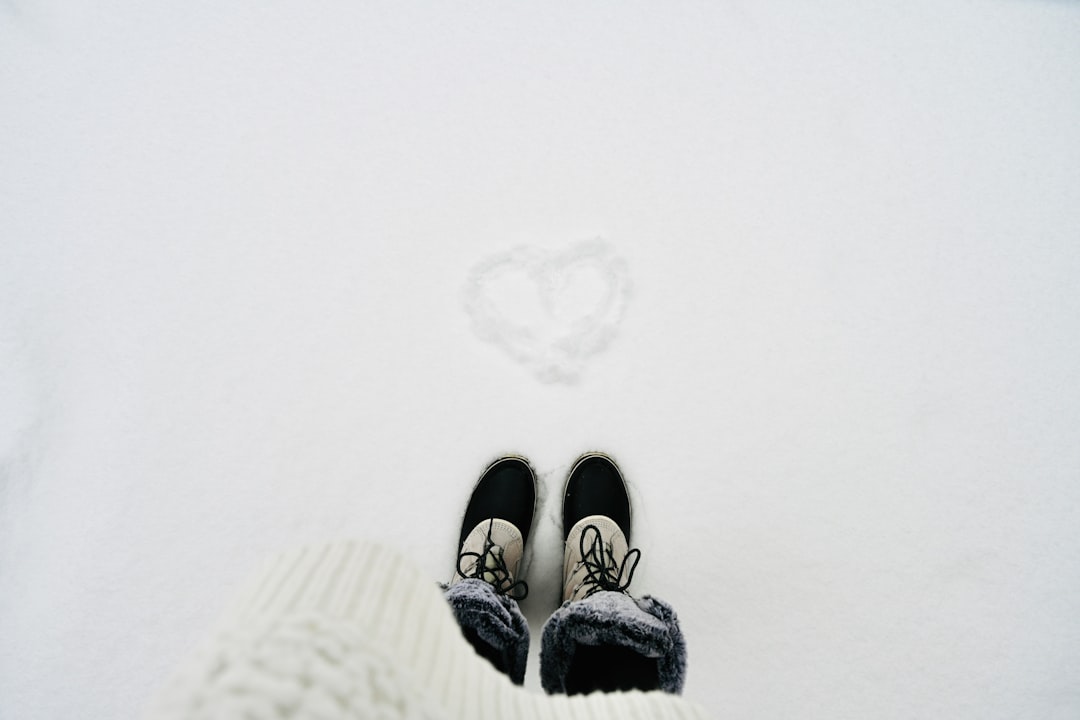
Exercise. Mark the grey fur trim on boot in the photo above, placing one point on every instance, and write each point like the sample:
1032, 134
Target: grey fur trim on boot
613, 620
494, 620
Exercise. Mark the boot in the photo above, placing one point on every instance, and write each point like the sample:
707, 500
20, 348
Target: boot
485, 588
601, 638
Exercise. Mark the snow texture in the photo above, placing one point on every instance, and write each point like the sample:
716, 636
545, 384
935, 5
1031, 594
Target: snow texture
550, 311
844, 386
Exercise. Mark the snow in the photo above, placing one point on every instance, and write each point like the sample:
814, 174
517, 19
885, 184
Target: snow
830, 329
550, 310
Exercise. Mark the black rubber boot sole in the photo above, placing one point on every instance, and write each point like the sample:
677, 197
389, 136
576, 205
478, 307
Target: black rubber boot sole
595, 486
506, 490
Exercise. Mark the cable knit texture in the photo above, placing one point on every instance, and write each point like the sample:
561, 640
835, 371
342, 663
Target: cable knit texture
299, 667
354, 630
496, 619
647, 626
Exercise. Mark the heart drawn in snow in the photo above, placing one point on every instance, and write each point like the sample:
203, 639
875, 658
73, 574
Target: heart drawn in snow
549, 311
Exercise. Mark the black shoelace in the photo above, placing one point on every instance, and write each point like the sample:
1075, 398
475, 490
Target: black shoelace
490, 566
601, 569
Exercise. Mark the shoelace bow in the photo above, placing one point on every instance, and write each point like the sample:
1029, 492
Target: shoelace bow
601, 569
490, 566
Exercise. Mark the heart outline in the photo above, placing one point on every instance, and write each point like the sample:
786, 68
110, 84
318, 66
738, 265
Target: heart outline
556, 353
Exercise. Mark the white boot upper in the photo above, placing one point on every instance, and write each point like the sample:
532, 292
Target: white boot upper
609, 553
493, 540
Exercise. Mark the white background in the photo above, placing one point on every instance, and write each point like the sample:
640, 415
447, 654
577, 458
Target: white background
233, 242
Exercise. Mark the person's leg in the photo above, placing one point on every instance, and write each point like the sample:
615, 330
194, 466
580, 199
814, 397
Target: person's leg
485, 587
601, 638
608, 668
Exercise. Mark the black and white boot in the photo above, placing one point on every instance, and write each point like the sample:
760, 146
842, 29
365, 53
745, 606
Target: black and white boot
486, 584
601, 638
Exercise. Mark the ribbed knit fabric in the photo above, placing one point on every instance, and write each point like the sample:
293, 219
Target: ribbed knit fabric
354, 630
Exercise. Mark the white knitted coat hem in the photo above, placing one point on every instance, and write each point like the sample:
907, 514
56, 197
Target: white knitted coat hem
354, 630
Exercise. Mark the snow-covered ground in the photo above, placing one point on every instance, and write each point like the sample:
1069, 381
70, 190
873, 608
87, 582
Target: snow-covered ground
279, 271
